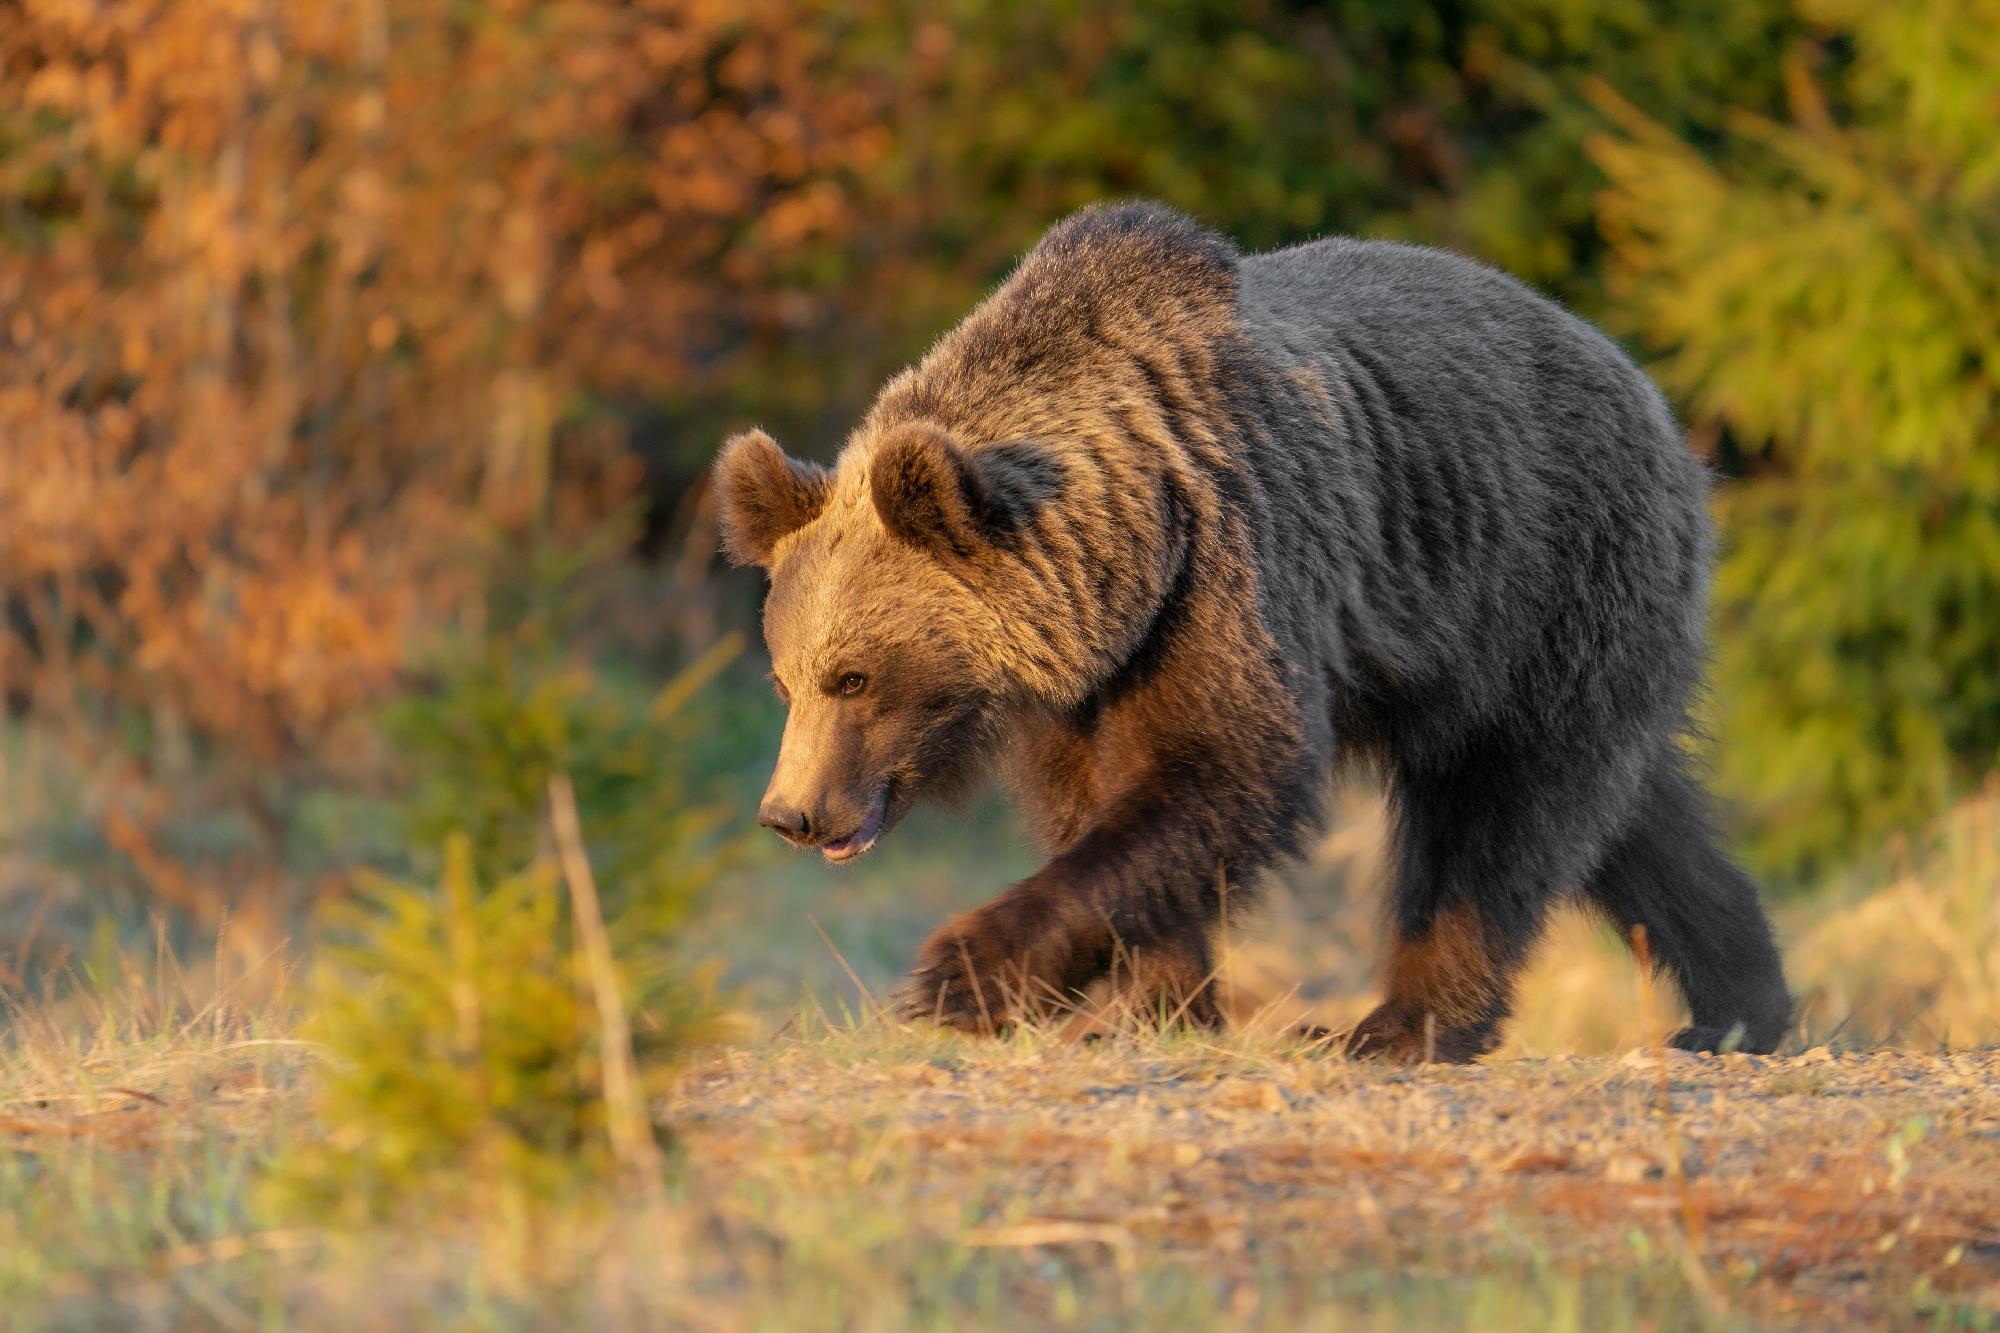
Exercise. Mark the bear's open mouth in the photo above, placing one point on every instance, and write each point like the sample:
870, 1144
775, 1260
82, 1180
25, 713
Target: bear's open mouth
859, 841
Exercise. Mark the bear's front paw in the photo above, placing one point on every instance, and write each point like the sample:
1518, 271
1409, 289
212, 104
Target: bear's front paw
982, 971
1169, 986
962, 981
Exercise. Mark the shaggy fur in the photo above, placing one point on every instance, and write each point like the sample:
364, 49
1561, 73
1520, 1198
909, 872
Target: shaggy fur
1169, 534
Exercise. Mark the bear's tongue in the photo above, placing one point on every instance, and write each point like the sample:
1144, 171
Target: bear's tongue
859, 841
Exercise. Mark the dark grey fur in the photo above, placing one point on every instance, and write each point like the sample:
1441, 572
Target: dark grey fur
1492, 573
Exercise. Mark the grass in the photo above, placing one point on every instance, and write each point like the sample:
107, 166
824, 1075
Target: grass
887, 1177
1286, 1182
846, 1172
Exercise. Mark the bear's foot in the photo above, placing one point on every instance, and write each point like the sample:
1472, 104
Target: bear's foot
1020, 956
1168, 987
966, 981
1738, 1037
1026, 956
1395, 1034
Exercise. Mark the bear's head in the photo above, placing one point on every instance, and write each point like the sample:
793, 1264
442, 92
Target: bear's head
888, 658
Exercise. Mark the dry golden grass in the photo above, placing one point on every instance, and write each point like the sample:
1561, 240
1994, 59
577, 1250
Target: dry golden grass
885, 1177
1823, 1189
863, 1174
1918, 960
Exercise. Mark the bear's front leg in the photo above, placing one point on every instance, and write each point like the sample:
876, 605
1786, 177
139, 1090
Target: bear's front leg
1135, 900
1030, 953
1171, 985
1026, 953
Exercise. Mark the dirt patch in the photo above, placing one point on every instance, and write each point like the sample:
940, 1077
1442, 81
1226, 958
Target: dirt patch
1829, 1188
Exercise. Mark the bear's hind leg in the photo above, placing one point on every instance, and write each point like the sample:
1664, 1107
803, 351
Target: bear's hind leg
1483, 848
1704, 925
1450, 985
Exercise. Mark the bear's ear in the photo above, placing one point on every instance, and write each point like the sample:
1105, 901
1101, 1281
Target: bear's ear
927, 491
763, 495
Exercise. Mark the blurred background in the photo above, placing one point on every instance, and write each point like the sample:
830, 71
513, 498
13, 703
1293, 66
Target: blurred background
360, 363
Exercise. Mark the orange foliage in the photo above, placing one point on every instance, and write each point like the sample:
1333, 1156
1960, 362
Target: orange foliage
292, 300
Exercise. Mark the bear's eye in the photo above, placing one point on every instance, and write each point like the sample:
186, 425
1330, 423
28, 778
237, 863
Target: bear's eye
778, 688
850, 684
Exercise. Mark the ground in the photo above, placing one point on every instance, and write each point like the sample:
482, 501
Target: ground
888, 1177
1826, 1189
832, 1169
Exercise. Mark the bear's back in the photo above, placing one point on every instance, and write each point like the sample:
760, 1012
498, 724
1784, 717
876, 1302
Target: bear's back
1488, 473
1426, 363
1418, 316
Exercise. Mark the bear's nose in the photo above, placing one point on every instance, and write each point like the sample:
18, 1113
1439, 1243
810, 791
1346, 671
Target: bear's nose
786, 820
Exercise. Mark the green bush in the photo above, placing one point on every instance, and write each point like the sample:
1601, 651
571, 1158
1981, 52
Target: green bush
462, 1063
480, 751
470, 1066
1826, 291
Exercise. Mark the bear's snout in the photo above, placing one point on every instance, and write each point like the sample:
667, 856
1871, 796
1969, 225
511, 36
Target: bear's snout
786, 820
836, 838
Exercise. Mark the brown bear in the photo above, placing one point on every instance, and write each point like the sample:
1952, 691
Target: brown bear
1168, 535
